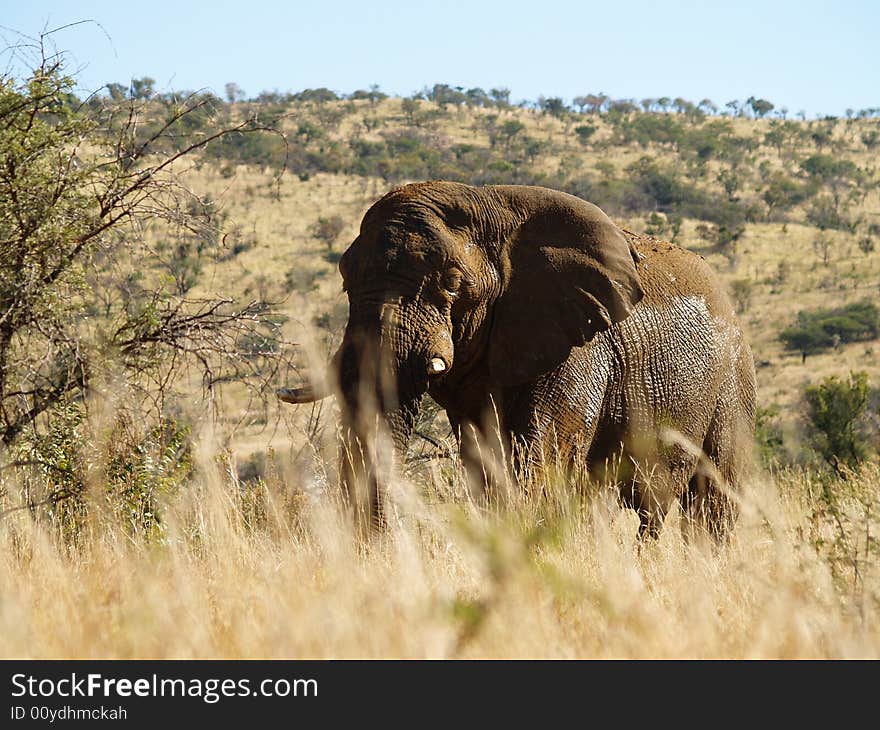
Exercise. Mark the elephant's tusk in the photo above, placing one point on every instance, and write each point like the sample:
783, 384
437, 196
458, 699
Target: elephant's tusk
305, 394
436, 365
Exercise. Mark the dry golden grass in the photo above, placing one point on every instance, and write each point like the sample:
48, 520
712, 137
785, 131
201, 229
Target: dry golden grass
274, 571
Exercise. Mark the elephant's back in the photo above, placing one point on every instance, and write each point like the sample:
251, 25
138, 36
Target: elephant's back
685, 306
668, 272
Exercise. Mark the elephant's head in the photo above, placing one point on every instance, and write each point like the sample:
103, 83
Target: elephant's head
449, 283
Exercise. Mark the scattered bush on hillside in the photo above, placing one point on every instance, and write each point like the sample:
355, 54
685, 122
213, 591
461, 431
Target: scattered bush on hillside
235, 241
781, 135
584, 132
782, 193
741, 291
316, 96
695, 134
510, 129
826, 213
328, 229
264, 150
822, 329
373, 95
823, 246
444, 95
760, 107
410, 108
554, 106
645, 129
302, 280
707, 141
831, 169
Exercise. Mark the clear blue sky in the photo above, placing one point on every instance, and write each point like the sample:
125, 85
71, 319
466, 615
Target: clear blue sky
821, 57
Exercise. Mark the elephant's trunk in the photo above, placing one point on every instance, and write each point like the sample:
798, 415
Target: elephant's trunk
383, 371
369, 453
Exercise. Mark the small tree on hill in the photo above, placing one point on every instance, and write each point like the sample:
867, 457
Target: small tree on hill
822, 245
760, 107
584, 132
741, 290
500, 97
592, 103
142, 88
867, 243
510, 129
826, 213
730, 181
707, 106
234, 92
410, 107
822, 329
835, 408
554, 106
328, 230
78, 303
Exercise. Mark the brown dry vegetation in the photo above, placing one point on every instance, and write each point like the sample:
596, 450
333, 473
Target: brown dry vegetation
250, 557
270, 571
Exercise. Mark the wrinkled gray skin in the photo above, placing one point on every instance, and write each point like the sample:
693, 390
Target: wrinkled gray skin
545, 331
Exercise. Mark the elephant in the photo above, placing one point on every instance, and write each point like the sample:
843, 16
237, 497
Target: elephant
541, 328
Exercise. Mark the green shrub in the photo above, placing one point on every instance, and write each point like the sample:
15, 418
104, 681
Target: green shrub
136, 462
584, 132
144, 463
260, 150
662, 129
510, 129
835, 408
824, 328
782, 193
828, 168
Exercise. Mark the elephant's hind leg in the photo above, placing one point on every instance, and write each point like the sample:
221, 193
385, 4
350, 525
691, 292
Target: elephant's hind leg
656, 485
706, 503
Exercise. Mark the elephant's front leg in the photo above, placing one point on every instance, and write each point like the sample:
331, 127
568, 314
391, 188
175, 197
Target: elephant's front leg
485, 456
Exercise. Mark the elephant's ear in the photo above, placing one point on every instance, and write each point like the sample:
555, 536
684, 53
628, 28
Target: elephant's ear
567, 273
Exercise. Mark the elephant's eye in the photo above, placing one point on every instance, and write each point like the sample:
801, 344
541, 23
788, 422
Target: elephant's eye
451, 281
